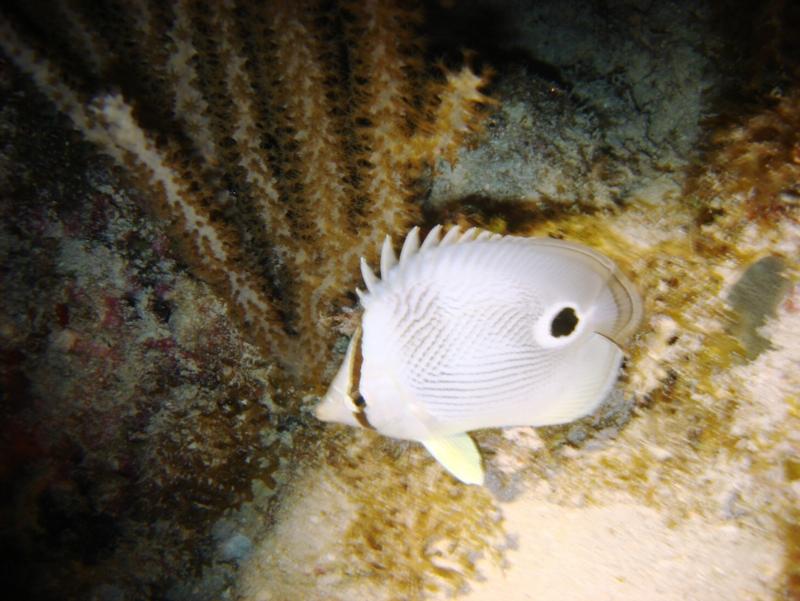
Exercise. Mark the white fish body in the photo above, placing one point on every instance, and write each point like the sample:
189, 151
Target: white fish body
478, 330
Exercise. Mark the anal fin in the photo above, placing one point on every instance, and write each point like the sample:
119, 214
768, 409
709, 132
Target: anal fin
458, 455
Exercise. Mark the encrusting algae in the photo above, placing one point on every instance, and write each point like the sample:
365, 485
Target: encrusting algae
374, 519
716, 418
699, 435
701, 432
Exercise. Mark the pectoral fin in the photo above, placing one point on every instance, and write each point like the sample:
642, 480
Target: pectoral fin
458, 455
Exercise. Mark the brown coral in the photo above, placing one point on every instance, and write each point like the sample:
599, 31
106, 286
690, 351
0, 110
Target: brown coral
279, 139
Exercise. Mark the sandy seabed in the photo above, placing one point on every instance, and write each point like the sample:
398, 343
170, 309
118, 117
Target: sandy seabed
625, 551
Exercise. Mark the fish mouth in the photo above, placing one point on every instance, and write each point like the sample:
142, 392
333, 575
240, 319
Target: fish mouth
338, 405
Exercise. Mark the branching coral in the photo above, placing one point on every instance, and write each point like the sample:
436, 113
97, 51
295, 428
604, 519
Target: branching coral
280, 140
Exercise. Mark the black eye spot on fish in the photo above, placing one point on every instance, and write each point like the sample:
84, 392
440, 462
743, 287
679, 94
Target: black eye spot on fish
360, 402
564, 323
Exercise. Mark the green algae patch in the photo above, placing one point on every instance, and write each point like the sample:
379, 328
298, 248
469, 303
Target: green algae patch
754, 298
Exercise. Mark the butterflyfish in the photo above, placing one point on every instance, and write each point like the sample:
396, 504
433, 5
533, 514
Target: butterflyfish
478, 330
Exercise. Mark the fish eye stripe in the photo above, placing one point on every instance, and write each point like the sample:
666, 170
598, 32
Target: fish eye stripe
357, 398
360, 415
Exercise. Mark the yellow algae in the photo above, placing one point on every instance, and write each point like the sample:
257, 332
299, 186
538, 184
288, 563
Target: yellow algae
375, 519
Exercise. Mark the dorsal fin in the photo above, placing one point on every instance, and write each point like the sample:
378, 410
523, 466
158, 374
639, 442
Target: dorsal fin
470, 235
412, 247
451, 237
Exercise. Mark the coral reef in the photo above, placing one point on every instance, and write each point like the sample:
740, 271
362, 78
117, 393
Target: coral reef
696, 451
273, 143
755, 162
151, 450
581, 128
134, 411
280, 140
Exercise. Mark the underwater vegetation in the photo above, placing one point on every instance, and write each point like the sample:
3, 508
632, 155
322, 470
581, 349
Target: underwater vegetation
184, 199
279, 140
271, 144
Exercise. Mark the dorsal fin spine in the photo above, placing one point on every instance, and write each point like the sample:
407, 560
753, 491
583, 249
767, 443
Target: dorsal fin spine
410, 245
432, 239
370, 279
388, 258
469, 235
451, 237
